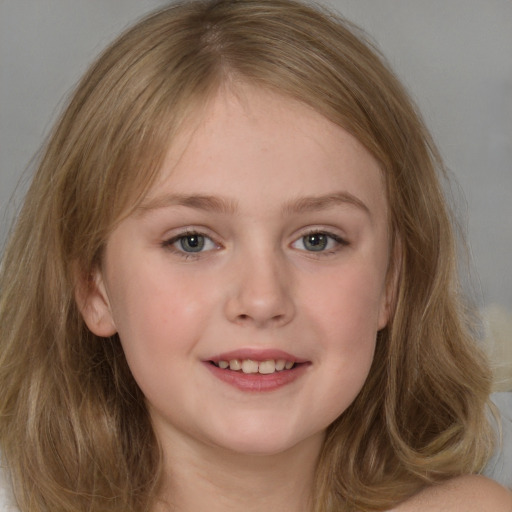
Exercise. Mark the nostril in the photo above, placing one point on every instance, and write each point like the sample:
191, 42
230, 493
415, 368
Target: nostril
250, 307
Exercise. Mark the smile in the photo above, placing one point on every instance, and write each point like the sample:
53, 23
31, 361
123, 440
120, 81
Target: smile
266, 367
257, 370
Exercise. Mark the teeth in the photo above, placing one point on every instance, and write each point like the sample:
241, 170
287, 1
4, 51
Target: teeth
266, 367
235, 364
250, 366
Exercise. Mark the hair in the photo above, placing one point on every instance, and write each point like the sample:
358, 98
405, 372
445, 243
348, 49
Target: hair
74, 429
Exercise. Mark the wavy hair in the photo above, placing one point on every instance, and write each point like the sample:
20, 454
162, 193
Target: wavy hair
74, 429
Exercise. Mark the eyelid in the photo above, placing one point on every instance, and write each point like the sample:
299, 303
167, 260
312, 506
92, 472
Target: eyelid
169, 242
333, 232
338, 239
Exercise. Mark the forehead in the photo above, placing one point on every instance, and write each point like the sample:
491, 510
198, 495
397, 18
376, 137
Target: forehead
259, 141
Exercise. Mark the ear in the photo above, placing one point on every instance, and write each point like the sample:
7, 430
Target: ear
392, 282
94, 305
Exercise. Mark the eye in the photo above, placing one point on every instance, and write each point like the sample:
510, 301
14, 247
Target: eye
191, 243
318, 241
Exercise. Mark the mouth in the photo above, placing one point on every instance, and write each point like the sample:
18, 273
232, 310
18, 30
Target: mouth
258, 371
249, 366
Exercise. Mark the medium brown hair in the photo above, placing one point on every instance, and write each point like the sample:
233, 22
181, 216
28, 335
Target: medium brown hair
74, 430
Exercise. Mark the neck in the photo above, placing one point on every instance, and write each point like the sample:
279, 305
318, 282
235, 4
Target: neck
199, 478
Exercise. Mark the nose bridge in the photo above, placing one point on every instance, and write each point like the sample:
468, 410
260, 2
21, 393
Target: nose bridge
262, 290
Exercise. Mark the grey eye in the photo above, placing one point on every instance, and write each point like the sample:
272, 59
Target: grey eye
318, 241
315, 241
191, 243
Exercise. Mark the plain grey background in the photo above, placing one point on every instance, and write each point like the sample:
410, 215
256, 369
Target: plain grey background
455, 56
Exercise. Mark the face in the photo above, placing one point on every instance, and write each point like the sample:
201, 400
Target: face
248, 288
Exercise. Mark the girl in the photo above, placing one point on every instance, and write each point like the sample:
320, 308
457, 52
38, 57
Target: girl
232, 284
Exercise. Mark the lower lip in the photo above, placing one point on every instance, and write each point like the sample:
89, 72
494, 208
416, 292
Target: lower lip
257, 382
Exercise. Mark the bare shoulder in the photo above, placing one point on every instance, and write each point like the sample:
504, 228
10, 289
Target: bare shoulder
471, 493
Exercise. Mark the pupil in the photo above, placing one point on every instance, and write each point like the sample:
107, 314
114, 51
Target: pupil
316, 242
192, 243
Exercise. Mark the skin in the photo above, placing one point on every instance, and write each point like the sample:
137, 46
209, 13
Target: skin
255, 176
470, 493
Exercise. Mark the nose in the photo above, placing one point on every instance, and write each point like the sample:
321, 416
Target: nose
261, 291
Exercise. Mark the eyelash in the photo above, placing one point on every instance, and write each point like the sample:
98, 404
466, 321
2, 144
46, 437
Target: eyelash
170, 244
340, 242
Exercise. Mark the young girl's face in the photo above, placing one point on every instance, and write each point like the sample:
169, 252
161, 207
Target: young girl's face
263, 243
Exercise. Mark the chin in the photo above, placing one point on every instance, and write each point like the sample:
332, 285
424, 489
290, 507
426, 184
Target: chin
265, 441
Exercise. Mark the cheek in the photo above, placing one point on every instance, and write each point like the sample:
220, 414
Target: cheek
157, 314
160, 321
350, 301
345, 312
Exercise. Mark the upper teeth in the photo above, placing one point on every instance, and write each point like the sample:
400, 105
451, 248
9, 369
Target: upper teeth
251, 366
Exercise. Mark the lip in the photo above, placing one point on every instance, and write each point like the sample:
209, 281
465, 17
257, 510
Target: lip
256, 382
257, 355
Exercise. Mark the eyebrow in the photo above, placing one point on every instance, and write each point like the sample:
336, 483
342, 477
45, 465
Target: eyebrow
199, 202
315, 203
216, 204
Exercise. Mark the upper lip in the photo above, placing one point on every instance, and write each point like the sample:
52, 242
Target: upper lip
257, 355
